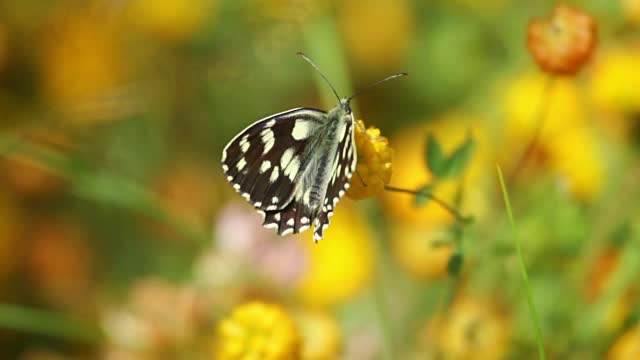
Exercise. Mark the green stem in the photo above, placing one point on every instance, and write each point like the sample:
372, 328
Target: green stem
456, 214
523, 267
43, 322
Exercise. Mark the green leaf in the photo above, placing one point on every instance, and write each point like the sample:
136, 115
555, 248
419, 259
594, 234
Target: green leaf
443, 166
458, 161
455, 263
422, 198
436, 161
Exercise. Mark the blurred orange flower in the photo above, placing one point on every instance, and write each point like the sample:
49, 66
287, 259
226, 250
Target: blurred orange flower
186, 191
12, 226
83, 67
374, 163
341, 265
172, 20
4, 46
563, 44
61, 262
257, 330
411, 172
377, 33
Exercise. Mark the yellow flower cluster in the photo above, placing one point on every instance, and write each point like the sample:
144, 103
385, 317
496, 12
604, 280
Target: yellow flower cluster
257, 330
374, 163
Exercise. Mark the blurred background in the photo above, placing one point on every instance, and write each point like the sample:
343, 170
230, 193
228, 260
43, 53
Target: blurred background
121, 239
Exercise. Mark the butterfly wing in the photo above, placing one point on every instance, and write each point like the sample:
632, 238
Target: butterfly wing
344, 166
264, 162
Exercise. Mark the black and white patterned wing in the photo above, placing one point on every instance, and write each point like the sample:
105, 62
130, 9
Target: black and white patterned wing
264, 162
344, 167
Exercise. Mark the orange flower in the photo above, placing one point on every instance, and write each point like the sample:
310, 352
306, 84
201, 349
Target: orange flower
374, 163
563, 44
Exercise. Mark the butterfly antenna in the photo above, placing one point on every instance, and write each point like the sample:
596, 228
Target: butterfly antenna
376, 84
319, 72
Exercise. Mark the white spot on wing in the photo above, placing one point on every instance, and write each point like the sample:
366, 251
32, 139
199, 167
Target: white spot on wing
275, 199
271, 226
274, 175
304, 220
286, 157
292, 169
301, 130
267, 139
245, 147
241, 164
270, 123
265, 166
225, 168
291, 221
287, 232
277, 216
303, 228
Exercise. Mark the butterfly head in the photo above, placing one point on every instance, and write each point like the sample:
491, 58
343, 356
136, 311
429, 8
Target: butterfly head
345, 105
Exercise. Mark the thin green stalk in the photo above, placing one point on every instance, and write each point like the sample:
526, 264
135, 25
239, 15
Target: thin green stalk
43, 322
523, 267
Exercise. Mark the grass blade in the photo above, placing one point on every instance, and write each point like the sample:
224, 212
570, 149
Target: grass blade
523, 268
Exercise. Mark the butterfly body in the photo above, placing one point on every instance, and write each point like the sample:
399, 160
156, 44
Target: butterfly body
294, 167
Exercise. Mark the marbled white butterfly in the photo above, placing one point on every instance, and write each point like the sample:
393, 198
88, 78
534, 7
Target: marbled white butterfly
294, 167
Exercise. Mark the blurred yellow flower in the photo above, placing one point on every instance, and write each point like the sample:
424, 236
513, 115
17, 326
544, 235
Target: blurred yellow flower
374, 163
565, 143
631, 10
577, 160
627, 346
524, 99
468, 328
320, 335
615, 80
83, 66
341, 265
377, 33
257, 330
422, 250
172, 20
411, 172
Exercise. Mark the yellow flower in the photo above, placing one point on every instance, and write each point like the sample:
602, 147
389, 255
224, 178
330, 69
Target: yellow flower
523, 100
320, 334
470, 327
421, 249
172, 20
576, 158
377, 33
615, 80
627, 347
374, 163
257, 330
411, 172
341, 265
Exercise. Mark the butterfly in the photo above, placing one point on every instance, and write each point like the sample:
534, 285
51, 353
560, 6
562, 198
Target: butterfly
295, 166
